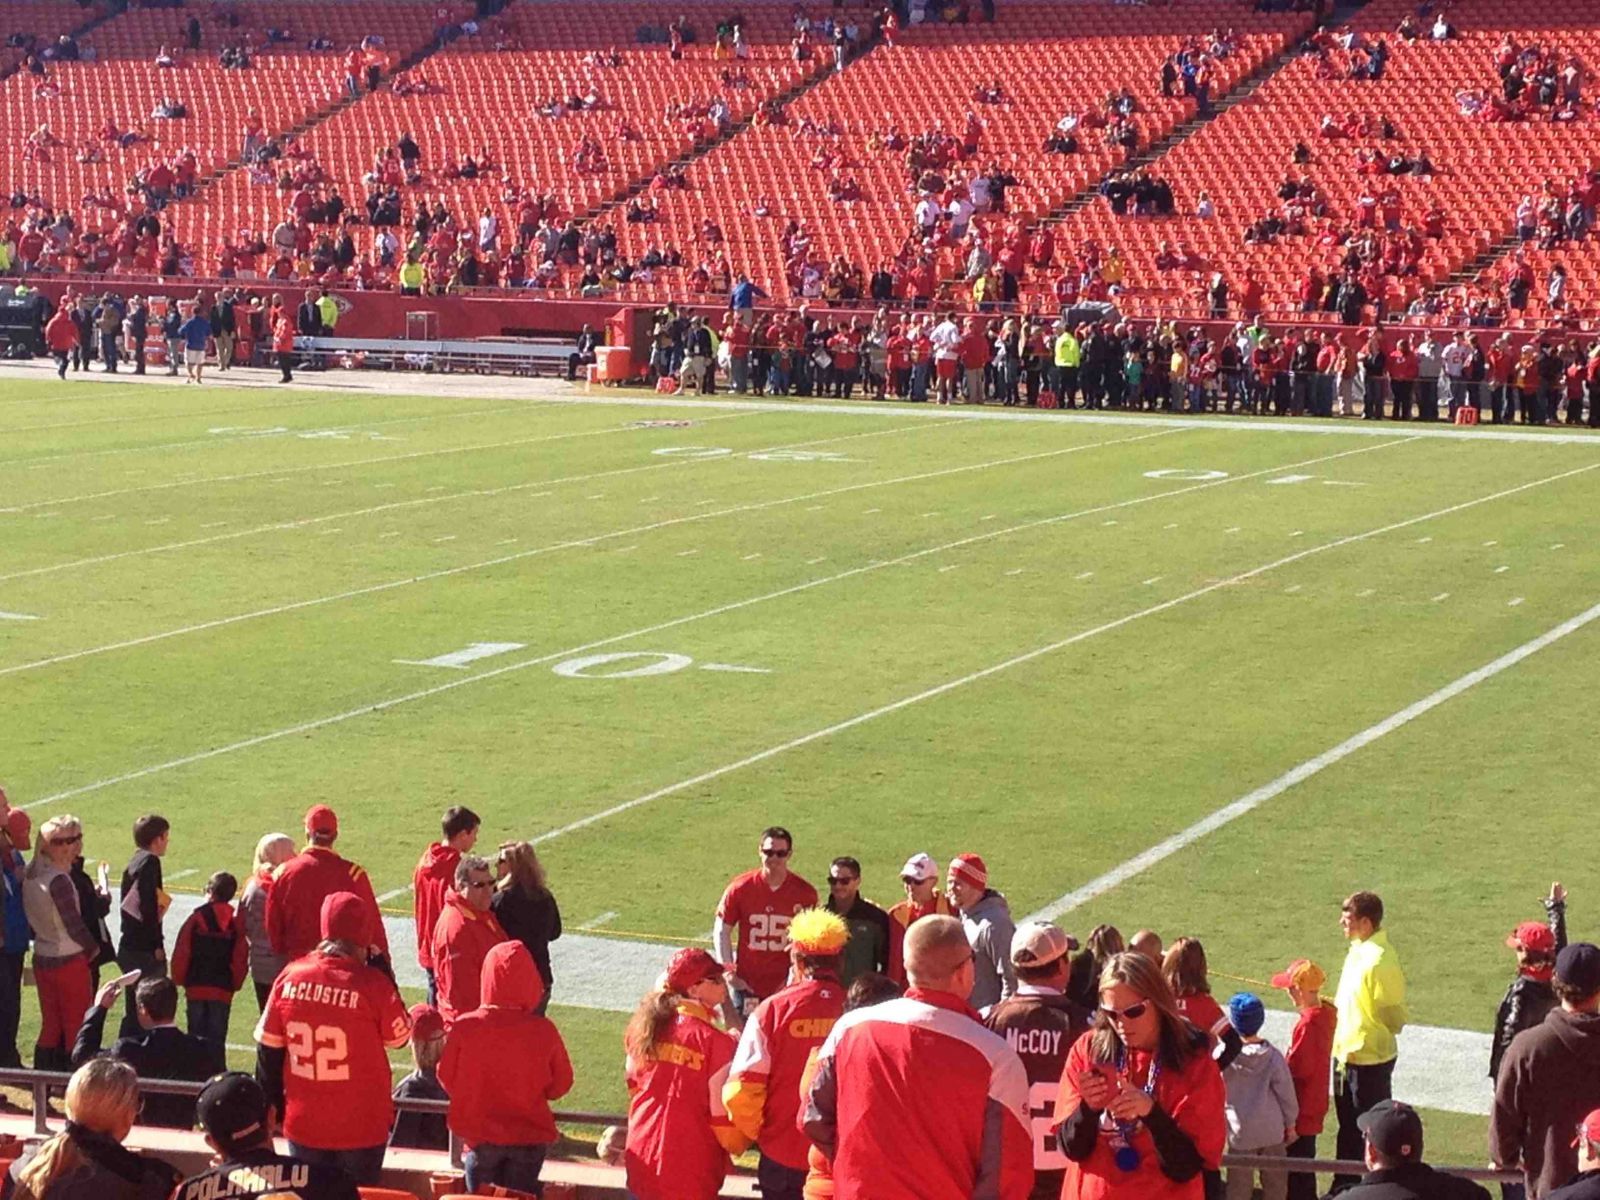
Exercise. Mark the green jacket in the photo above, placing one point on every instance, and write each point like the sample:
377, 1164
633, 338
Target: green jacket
1068, 352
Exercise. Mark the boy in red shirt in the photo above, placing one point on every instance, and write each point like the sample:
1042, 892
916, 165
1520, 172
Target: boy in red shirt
1309, 1056
211, 959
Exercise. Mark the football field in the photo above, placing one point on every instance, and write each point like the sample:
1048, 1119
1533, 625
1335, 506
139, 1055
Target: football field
1206, 677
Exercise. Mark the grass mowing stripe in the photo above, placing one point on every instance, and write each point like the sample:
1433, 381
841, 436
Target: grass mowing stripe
733, 606
1037, 652
566, 544
471, 494
256, 436
358, 462
1185, 838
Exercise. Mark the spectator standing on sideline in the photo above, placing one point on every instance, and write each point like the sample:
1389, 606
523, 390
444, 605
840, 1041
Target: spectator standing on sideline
526, 907
195, 332
1148, 943
913, 1099
1102, 945
986, 917
237, 1122
211, 959
171, 322
1585, 1185
1262, 1107
1310, 1064
61, 337
680, 1135
94, 902
1550, 1078
431, 881
1140, 1111
868, 925
507, 1129
760, 904
224, 328
272, 851
160, 1050
583, 349
763, 1090
14, 841
1186, 972
143, 903
301, 885
1041, 1025
323, 1043
465, 933
1530, 997
282, 346
62, 943
422, 1130
920, 876
1371, 1003
1392, 1149
87, 1158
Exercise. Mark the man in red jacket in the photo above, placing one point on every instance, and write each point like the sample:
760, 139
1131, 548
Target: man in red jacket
507, 1129
465, 933
432, 879
913, 1099
294, 905
762, 1094
61, 335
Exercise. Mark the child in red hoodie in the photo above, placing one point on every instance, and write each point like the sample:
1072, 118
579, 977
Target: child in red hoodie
1310, 1051
507, 1129
211, 960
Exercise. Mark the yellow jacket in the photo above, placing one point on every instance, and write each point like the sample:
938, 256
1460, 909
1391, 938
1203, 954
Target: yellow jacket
1371, 1001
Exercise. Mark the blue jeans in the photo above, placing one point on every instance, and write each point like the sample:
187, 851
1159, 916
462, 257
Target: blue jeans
365, 1166
208, 1019
919, 380
510, 1166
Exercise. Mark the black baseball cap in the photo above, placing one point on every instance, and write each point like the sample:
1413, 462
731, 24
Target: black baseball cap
1393, 1129
232, 1107
1578, 966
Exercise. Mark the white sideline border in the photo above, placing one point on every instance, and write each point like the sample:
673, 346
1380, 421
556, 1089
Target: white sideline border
470, 494
877, 565
566, 544
1226, 815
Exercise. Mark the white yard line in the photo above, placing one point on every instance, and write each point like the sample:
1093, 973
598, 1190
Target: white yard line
553, 547
1226, 815
1038, 652
733, 606
417, 502
276, 473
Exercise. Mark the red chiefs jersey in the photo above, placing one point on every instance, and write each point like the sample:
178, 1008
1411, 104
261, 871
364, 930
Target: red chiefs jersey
294, 905
762, 916
676, 1119
763, 1092
333, 1017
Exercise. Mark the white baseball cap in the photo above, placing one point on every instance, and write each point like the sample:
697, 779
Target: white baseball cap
919, 868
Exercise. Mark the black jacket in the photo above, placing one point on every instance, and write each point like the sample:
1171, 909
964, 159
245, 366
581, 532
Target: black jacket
262, 1172
222, 319
1583, 1187
166, 1052
1414, 1181
142, 878
1527, 1001
308, 319
95, 909
420, 1130
534, 919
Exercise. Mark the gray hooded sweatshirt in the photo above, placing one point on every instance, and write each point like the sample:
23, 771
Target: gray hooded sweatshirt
989, 928
1261, 1099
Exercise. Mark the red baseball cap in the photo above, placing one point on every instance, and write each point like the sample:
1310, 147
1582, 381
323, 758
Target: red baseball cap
1588, 1129
426, 1023
689, 967
1532, 935
322, 819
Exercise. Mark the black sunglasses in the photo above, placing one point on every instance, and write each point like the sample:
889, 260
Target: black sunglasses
770, 852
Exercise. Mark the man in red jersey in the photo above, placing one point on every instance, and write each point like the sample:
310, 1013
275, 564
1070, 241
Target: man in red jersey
432, 879
763, 1090
301, 885
913, 1099
322, 1046
760, 904
920, 876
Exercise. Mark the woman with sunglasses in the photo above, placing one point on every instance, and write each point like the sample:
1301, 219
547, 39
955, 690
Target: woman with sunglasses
1140, 1111
62, 942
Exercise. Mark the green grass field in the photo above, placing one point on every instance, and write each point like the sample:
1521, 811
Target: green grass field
1053, 642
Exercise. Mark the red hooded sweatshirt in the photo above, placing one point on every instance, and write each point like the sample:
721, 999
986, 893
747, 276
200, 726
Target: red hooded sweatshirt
500, 1043
429, 883
461, 942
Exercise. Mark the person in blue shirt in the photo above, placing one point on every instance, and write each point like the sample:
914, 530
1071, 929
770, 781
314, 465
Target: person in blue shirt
195, 332
14, 839
742, 300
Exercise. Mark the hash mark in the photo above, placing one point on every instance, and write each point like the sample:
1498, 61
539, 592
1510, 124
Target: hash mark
1513, 603
449, 537
1441, 596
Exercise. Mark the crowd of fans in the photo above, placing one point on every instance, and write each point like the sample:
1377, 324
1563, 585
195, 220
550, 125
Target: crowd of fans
934, 1048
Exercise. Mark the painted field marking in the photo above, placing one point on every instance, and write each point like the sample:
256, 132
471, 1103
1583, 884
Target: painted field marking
597, 496
1232, 529
185, 873
604, 918
1298, 533
1171, 525
326, 532
390, 533
460, 659
1038, 652
870, 511
45, 516
1491, 542
1291, 589
815, 508
385, 897
448, 537
1423, 541
1501, 570
687, 553
930, 514
1441, 596
732, 606
300, 523
213, 525
1364, 593
948, 567
811, 562
1085, 575
158, 520
621, 550
990, 517
1154, 579
703, 503
280, 474
105, 517
11, 616
1015, 571
584, 667
750, 557
1166, 848
736, 669
1513, 602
